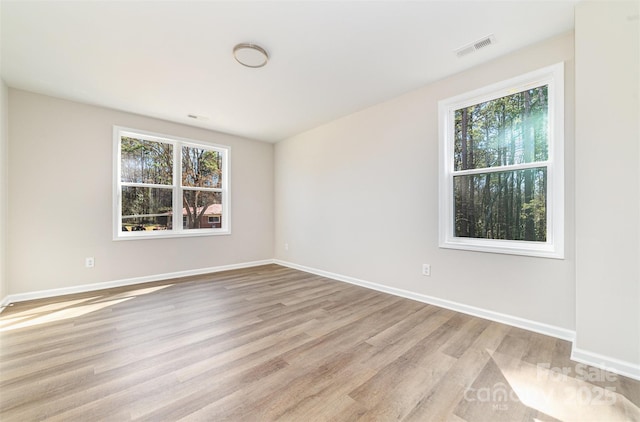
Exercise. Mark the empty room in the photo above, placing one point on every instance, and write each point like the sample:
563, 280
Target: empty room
320, 210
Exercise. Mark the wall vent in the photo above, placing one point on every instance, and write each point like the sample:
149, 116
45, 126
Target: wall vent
476, 45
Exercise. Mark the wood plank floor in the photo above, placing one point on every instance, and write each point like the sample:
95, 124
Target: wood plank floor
272, 343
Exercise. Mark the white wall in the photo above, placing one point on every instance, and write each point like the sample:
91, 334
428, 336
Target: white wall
608, 181
61, 190
4, 186
359, 197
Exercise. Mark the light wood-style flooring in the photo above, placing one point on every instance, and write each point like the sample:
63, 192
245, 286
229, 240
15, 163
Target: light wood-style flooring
272, 343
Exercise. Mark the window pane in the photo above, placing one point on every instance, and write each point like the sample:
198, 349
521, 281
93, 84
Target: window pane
199, 206
146, 208
146, 161
502, 205
201, 168
505, 131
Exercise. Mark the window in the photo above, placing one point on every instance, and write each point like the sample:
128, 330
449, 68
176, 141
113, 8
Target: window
501, 167
167, 186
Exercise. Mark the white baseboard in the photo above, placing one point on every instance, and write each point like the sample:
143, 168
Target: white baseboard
5, 302
607, 363
21, 297
538, 327
617, 366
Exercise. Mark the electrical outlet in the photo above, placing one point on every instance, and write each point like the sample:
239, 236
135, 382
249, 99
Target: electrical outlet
426, 269
89, 262
286, 246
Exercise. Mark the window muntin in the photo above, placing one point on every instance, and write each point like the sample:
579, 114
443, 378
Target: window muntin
501, 177
168, 186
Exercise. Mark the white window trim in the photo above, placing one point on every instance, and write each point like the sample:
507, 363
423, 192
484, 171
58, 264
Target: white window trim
177, 230
554, 246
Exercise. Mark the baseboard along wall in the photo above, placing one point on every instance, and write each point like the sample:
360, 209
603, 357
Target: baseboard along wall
607, 363
617, 366
21, 297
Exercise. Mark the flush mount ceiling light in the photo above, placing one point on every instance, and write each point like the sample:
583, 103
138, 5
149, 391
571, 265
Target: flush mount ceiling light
250, 55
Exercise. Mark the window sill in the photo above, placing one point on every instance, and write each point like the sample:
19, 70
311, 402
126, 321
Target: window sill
162, 234
509, 247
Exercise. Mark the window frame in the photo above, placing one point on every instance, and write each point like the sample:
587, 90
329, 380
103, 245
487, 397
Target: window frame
176, 187
553, 247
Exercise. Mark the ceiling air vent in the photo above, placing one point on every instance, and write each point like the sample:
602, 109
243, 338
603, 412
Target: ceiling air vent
476, 45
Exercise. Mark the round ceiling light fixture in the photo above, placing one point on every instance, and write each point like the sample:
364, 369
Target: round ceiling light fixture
250, 55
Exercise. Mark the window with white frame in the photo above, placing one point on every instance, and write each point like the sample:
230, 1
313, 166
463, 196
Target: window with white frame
501, 167
167, 186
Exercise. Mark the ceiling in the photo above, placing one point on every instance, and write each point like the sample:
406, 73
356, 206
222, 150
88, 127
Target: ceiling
169, 59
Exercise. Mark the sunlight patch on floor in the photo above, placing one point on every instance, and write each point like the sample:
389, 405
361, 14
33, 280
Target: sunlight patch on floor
49, 307
67, 309
63, 314
139, 292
